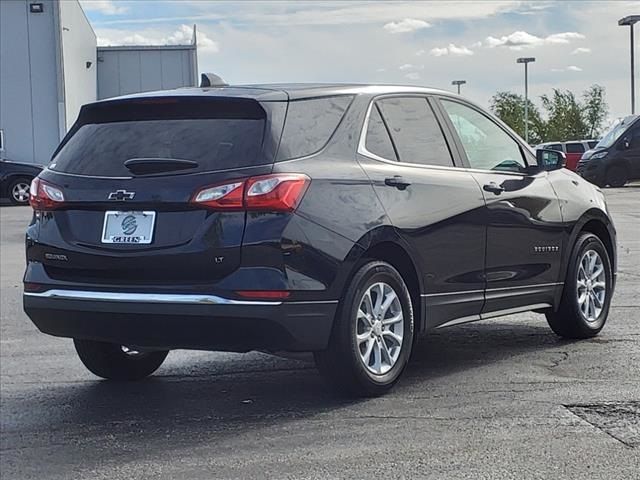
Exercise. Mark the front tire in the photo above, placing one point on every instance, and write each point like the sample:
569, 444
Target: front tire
617, 176
373, 333
117, 362
588, 288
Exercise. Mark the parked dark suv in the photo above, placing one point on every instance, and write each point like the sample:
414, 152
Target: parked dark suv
615, 160
344, 220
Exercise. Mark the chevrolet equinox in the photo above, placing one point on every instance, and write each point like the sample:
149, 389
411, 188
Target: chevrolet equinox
343, 220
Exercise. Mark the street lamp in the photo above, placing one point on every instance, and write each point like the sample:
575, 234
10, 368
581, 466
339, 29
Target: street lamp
630, 21
526, 61
458, 83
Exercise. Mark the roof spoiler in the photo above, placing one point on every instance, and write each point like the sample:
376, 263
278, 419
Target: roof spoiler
212, 80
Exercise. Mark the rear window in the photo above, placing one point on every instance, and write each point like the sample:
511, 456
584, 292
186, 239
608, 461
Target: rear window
310, 124
106, 136
574, 148
592, 144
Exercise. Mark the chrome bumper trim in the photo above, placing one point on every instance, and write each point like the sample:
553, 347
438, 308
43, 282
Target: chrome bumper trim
191, 299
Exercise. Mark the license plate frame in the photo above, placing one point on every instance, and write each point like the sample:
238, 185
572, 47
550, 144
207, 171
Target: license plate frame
117, 235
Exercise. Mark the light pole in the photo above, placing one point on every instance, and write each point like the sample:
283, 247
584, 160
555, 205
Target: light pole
526, 61
458, 83
630, 21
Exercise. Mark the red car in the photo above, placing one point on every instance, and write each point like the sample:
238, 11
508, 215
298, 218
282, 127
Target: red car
573, 150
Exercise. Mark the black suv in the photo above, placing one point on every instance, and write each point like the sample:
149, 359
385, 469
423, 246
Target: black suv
343, 220
615, 160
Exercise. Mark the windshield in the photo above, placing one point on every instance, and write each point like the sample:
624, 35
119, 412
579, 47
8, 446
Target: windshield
612, 135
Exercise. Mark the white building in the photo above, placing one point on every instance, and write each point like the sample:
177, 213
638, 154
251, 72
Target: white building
50, 66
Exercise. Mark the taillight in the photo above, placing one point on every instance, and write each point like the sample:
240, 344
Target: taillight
44, 195
279, 192
223, 197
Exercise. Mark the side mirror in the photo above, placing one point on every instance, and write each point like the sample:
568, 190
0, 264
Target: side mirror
550, 159
626, 143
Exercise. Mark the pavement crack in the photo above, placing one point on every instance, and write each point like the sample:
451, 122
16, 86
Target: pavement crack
558, 361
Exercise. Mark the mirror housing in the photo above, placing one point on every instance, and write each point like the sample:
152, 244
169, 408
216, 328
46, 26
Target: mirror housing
550, 159
626, 143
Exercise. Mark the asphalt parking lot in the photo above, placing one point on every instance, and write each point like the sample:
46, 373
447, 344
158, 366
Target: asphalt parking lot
501, 399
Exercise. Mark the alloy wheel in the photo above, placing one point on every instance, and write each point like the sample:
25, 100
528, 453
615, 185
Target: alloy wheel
592, 285
379, 328
20, 192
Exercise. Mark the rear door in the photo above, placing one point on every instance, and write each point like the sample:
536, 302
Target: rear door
574, 151
434, 206
128, 171
522, 212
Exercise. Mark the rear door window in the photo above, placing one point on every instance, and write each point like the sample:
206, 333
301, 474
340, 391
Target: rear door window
415, 131
574, 147
310, 123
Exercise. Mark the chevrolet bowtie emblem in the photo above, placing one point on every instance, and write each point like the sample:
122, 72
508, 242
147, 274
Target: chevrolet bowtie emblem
121, 195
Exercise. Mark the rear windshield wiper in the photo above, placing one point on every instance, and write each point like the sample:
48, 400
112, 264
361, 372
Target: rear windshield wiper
150, 166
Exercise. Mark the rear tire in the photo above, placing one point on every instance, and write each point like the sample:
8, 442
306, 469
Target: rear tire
117, 362
617, 176
18, 191
372, 335
588, 288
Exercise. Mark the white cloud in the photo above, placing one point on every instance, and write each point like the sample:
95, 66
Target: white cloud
580, 50
451, 49
413, 76
182, 36
420, 52
439, 52
519, 40
410, 66
570, 68
106, 7
405, 26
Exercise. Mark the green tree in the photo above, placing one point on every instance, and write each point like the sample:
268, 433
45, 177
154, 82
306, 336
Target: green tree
595, 109
565, 120
509, 107
565, 116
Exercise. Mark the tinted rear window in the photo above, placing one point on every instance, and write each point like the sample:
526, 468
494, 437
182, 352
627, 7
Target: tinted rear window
574, 147
310, 124
216, 134
593, 144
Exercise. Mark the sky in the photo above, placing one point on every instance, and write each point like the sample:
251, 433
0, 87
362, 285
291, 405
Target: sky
575, 43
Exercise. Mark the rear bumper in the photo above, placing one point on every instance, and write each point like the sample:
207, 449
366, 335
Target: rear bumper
190, 321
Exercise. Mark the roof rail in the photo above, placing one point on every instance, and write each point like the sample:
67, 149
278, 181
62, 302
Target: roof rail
212, 80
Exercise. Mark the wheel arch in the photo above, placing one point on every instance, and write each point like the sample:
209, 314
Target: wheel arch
390, 249
597, 222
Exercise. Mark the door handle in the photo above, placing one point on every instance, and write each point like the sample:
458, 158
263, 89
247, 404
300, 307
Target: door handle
397, 181
493, 187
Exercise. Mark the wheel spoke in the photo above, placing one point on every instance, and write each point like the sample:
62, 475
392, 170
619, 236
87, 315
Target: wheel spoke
582, 298
597, 273
377, 361
367, 353
395, 319
599, 286
390, 334
385, 349
363, 337
379, 298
